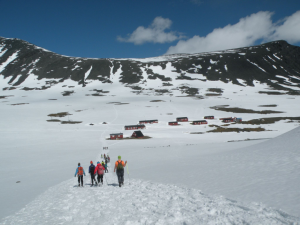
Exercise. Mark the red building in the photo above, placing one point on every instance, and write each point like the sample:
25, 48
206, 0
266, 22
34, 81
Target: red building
228, 120
209, 117
137, 134
116, 136
199, 122
134, 127
148, 121
182, 119
173, 123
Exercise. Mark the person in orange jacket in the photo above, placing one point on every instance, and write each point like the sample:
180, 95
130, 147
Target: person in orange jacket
99, 170
119, 166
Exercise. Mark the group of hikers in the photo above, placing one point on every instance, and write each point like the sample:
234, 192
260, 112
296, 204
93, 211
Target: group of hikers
99, 170
106, 157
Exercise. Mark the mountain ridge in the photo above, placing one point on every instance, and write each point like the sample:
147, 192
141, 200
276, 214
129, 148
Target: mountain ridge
275, 63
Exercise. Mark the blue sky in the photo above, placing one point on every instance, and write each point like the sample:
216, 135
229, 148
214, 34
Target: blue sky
142, 28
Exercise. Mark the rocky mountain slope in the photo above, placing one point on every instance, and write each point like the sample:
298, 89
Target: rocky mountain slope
276, 64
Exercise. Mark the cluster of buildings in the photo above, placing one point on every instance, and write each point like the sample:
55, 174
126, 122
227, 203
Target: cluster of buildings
141, 125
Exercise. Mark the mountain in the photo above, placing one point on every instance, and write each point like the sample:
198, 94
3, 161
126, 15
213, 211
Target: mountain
276, 64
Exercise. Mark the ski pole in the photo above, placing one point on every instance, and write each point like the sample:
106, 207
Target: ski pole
106, 180
128, 175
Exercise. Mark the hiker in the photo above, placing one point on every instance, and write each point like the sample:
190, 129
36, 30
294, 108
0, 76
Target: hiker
108, 158
105, 166
99, 170
92, 173
119, 166
104, 156
80, 172
101, 156
103, 163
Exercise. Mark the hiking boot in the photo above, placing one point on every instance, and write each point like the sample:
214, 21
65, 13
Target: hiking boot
119, 184
78, 185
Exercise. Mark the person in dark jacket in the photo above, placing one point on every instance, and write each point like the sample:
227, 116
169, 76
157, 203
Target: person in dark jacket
92, 173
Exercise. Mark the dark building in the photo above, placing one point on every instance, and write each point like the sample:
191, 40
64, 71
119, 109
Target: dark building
137, 134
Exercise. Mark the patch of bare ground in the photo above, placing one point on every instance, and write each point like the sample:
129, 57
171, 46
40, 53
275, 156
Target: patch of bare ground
241, 110
5, 96
130, 138
272, 105
249, 139
118, 103
67, 93
212, 94
9, 88
270, 120
53, 120
271, 92
238, 130
60, 114
196, 132
52, 99
217, 90
157, 101
70, 122
20, 104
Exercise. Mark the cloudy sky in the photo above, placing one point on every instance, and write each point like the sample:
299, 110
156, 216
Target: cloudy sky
147, 28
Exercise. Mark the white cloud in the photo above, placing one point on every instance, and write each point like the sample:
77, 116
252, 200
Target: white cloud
289, 30
155, 33
246, 32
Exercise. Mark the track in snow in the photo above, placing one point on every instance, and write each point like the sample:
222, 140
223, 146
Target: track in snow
140, 202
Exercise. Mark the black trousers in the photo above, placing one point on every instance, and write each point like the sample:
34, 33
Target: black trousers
93, 179
100, 177
120, 174
80, 178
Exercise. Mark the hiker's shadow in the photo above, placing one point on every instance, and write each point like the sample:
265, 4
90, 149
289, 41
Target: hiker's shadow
114, 185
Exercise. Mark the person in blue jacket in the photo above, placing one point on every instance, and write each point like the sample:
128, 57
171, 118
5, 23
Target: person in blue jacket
80, 172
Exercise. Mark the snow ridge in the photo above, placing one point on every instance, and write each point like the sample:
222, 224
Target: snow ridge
140, 202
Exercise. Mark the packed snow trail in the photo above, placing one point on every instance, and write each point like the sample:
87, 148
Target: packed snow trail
141, 202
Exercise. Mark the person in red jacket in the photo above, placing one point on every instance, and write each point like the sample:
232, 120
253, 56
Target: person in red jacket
99, 170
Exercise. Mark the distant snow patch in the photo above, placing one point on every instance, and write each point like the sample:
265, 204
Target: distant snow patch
271, 59
88, 73
8, 61
213, 62
242, 53
275, 67
256, 65
225, 66
276, 56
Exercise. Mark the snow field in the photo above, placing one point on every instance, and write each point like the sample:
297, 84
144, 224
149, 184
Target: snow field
139, 202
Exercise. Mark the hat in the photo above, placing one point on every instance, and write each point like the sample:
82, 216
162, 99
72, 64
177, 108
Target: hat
119, 157
91, 162
98, 162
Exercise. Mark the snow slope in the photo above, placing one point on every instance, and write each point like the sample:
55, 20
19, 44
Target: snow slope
176, 161
140, 202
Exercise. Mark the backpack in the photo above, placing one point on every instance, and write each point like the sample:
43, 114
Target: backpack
92, 169
120, 165
100, 170
80, 171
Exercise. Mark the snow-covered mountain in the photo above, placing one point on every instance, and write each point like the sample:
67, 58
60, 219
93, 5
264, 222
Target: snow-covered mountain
53, 110
276, 64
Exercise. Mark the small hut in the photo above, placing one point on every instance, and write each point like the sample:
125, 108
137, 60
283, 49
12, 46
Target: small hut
199, 122
134, 127
148, 121
116, 136
209, 117
228, 120
182, 119
137, 134
173, 123
238, 120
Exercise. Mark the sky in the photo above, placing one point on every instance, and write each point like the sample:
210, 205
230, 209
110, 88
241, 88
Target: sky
144, 28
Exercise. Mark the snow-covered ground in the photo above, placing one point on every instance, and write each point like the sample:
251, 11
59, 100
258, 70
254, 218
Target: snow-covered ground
176, 176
